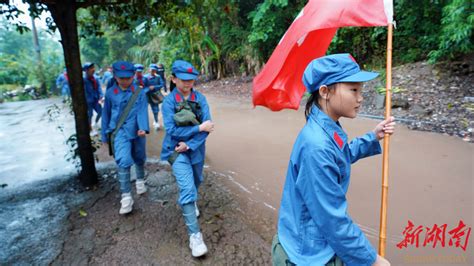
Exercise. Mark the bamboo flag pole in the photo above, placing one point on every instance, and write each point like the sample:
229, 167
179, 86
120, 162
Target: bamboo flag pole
386, 142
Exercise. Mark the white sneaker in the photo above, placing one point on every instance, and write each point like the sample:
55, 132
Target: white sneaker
197, 210
141, 187
126, 203
196, 244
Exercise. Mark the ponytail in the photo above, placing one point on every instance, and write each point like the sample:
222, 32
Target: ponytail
313, 99
172, 84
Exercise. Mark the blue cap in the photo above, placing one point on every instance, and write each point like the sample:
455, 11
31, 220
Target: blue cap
123, 69
184, 70
139, 67
87, 65
335, 68
154, 67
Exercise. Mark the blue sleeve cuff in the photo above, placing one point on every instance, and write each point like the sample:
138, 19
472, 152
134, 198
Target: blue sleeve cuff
375, 141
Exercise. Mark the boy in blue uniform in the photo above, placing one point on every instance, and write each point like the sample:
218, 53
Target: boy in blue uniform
184, 146
94, 94
62, 83
129, 142
140, 80
314, 227
155, 83
108, 75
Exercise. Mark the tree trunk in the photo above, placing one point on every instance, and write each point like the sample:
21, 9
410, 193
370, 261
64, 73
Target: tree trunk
64, 15
40, 69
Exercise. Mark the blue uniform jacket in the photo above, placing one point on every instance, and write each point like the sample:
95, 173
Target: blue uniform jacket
190, 134
115, 102
110, 83
106, 77
144, 82
93, 93
313, 222
155, 81
62, 82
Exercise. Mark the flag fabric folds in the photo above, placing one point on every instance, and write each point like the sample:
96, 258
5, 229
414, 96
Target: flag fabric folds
279, 85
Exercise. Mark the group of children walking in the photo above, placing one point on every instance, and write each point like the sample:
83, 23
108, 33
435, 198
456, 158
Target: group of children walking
187, 123
314, 227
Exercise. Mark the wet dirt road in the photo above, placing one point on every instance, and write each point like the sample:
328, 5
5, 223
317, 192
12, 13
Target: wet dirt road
430, 176
25, 156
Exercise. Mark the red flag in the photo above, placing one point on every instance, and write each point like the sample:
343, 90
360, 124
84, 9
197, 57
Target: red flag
279, 84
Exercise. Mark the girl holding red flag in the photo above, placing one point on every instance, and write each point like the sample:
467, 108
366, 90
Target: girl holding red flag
314, 227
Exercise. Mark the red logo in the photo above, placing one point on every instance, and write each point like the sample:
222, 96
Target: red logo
436, 235
122, 67
116, 91
190, 70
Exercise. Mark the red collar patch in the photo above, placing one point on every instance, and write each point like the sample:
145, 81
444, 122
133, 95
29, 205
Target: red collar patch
338, 140
178, 97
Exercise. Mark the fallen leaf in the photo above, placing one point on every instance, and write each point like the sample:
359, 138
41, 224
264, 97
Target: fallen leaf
82, 213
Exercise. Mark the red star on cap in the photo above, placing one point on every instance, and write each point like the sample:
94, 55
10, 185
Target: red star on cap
190, 70
122, 67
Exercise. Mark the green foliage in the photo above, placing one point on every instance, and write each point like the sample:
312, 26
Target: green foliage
147, 53
417, 28
52, 60
427, 30
224, 38
19, 67
456, 33
94, 49
366, 44
230, 37
270, 20
12, 71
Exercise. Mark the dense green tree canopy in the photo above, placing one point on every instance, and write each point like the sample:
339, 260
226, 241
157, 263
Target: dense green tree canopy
234, 37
